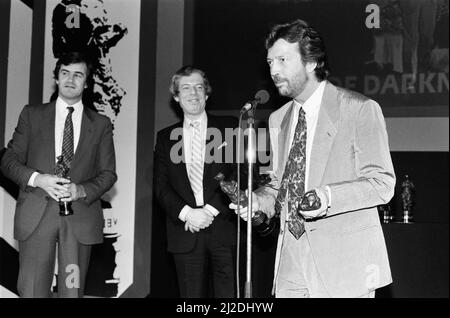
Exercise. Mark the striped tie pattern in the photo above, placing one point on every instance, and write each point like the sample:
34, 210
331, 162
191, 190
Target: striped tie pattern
293, 182
67, 146
196, 169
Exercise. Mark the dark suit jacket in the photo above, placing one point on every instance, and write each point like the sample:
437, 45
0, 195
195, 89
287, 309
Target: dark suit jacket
32, 148
173, 190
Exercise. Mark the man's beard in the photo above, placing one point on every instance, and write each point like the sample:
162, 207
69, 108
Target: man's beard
294, 87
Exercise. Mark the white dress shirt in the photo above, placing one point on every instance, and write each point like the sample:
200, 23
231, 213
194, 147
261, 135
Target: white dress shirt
188, 134
61, 112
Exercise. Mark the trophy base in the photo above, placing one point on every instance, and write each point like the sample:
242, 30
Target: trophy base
263, 226
387, 218
407, 217
65, 208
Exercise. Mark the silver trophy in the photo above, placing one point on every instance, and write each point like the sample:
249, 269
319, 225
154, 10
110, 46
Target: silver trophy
262, 224
310, 201
62, 171
385, 213
408, 193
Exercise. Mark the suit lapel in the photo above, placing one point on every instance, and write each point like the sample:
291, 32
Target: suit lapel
283, 139
181, 167
324, 136
85, 140
207, 166
47, 122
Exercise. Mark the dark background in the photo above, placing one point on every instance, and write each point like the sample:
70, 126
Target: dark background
229, 45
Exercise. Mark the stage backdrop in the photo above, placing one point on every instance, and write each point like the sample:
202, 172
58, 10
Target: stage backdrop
109, 30
395, 52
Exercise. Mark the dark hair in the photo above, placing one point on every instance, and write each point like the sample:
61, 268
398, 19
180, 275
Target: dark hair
310, 44
187, 71
72, 58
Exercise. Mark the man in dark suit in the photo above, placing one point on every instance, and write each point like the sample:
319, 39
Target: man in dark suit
189, 154
83, 139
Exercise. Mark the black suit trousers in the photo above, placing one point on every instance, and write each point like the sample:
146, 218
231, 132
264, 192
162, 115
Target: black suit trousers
206, 271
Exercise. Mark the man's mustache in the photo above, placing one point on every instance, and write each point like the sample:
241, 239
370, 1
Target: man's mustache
278, 79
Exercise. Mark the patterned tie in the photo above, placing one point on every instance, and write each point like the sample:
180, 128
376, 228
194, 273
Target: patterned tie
293, 182
67, 146
196, 169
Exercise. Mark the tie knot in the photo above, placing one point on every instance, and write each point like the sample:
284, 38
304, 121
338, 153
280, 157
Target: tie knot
195, 124
301, 113
70, 109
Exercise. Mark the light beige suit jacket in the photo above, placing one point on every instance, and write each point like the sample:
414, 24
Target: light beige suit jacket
350, 154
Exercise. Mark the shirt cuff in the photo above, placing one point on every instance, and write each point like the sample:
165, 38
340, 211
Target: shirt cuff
81, 191
212, 209
183, 212
31, 180
329, 195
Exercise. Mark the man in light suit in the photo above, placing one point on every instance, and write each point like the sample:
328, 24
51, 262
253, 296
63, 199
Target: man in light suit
200, 227
333, 141
69, 128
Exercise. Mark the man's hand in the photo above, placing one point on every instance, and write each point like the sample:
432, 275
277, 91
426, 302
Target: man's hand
190, 227
199, 218
243, 211
73, 192
322, 211
53, 185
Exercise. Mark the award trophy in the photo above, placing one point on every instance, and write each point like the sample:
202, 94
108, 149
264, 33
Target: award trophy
310, 201
408, 191
62, 171
385, 213
263, 225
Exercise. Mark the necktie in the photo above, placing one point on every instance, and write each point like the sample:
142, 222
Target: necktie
293, 182
67, 146
196, 169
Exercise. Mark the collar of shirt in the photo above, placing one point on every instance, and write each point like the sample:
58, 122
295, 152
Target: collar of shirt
203, 119
61, 107
312, 105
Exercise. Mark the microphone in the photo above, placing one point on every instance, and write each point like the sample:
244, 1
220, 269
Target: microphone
261, 97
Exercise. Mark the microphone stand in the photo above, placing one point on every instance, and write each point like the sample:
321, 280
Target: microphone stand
251, 158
